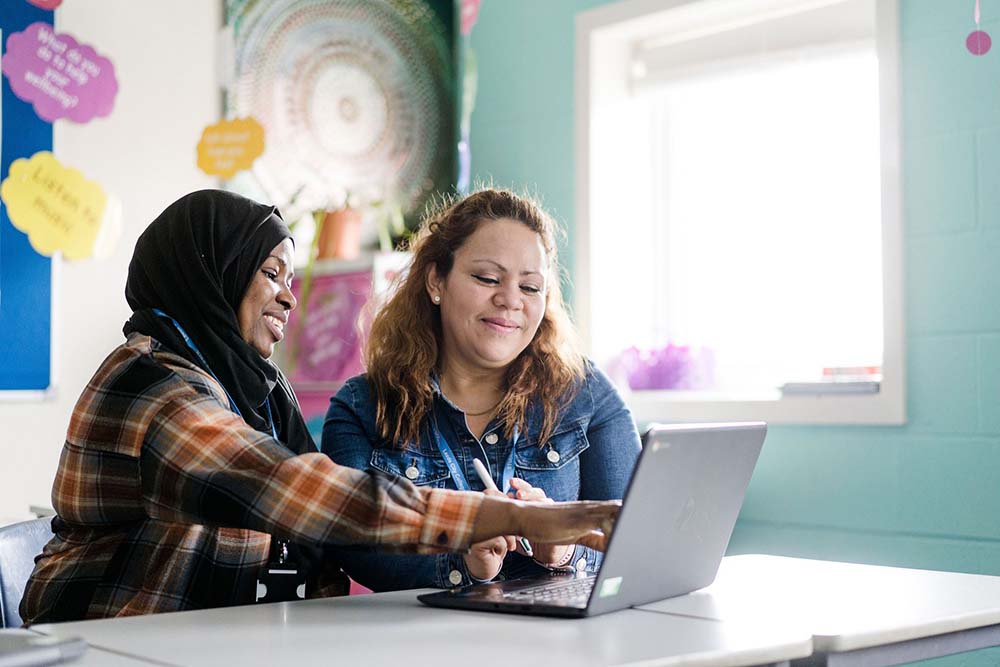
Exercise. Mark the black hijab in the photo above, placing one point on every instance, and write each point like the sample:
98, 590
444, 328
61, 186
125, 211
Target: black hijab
195, 262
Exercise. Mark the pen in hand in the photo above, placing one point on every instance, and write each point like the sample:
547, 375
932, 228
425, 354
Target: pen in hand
484, 476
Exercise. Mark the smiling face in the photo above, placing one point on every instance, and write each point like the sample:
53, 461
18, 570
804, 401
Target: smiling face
493, 299
264, 309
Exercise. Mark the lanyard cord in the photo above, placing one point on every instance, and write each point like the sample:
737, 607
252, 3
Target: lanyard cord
279, 546
194, 348
457, 474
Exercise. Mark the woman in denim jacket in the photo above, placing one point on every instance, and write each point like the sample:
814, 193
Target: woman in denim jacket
474, 357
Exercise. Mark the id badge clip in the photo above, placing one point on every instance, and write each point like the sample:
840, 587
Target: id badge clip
282, 580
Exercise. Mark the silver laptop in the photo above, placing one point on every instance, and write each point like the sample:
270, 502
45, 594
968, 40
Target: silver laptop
23, 648
674, 526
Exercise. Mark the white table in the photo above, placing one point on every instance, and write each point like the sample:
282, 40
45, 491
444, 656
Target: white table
857, 615
394, 628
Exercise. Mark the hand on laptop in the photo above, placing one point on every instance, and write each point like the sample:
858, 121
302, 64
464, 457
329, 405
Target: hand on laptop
586, 522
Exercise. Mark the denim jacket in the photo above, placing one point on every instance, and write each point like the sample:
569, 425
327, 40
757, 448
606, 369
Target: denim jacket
590, 456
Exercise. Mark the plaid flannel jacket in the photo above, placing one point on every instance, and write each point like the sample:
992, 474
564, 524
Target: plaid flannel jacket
166, 500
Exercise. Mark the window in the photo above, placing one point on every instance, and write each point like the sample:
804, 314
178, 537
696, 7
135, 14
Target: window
738, 207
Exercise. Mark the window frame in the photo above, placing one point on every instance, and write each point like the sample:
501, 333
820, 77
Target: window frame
603, 45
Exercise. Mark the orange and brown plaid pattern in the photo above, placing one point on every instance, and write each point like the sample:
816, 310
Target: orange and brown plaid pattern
166, 500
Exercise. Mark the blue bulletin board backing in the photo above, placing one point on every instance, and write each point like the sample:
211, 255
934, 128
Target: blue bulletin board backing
25, 276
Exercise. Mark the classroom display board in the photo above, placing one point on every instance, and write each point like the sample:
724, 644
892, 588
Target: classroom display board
324, 337
25, 275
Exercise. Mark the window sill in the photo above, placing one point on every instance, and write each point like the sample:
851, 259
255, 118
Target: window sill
886, 407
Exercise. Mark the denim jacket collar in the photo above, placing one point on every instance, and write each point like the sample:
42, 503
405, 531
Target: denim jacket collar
438, 393
577, 410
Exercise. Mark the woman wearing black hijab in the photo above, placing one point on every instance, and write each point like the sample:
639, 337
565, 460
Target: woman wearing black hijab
187, 451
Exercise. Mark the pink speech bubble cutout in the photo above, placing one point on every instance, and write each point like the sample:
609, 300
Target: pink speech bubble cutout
59, 76
46, 4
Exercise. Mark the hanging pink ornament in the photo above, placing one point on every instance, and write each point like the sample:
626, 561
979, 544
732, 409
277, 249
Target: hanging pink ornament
978, 42
470, 12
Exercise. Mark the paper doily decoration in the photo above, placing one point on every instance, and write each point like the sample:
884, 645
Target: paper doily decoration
355, 96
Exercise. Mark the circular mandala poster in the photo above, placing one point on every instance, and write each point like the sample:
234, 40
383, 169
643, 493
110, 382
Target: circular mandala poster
355, 96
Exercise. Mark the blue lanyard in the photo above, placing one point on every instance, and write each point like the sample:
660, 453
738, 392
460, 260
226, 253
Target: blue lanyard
457, 474
194, 348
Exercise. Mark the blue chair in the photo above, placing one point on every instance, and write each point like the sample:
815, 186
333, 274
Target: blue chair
19, 544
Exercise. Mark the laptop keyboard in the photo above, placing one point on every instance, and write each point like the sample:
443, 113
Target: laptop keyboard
559, 591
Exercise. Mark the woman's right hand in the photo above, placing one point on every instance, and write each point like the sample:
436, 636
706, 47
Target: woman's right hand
485, 558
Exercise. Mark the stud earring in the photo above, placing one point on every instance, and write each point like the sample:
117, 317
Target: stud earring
437, 299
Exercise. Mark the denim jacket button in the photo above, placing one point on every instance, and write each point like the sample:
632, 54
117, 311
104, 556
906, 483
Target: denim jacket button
412, 473
455, 577
492, 438
553, 456
581, 565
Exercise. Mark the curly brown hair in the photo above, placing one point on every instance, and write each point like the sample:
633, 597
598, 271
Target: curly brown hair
405, 336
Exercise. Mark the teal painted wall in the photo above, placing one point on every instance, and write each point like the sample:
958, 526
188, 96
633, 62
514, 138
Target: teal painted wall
926, 494
522, 127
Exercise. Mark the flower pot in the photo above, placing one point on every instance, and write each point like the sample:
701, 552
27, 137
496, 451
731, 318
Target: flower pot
340, 235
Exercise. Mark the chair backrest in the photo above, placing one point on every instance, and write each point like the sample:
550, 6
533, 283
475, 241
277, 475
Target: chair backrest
19, 544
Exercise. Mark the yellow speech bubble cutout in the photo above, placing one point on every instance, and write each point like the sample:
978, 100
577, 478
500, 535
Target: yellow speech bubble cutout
54, 205
230, 146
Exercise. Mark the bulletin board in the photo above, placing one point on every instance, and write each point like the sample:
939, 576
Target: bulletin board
25, 276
